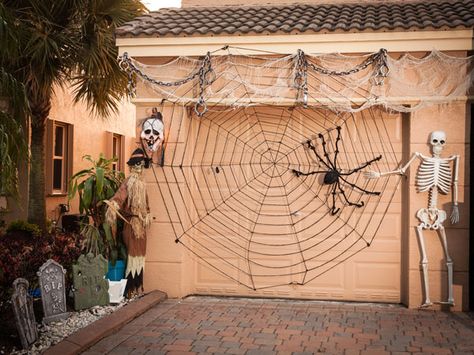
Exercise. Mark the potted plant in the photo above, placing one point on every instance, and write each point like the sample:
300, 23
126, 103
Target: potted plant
94, 185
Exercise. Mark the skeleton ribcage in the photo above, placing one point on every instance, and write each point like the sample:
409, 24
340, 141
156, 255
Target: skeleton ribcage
434, 172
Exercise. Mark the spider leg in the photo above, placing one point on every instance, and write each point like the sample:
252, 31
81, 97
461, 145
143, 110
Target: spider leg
327, 161
334, 210
362, 166
336, 152
300, 173
360, 204
360, 188
313, 148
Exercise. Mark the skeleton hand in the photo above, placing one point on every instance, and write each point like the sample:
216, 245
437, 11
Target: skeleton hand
371, 174
455, 215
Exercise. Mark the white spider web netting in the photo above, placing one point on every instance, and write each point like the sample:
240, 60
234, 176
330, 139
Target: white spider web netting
340, 82
261, 172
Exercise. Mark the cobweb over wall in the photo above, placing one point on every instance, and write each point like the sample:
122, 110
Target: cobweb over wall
337, 81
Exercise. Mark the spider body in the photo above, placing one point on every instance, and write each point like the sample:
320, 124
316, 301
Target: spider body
331, 177
335, 176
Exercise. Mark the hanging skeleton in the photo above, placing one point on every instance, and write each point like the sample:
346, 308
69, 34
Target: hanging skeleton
130, 203
434, 175
152, 134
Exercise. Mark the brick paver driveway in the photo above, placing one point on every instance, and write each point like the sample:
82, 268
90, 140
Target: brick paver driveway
264, 326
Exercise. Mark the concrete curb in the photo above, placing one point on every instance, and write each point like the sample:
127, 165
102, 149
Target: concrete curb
86, 337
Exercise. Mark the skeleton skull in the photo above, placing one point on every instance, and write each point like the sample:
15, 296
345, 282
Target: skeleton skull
152, 133
437, 141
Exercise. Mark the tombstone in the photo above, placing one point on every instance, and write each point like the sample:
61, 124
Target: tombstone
25, 320
90, 286
53, 291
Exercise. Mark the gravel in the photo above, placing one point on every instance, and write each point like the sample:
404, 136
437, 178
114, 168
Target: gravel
52, 333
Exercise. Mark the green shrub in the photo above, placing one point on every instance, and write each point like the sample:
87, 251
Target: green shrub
23, 226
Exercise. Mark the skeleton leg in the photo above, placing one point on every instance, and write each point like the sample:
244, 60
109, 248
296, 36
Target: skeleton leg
424, 265
449, 264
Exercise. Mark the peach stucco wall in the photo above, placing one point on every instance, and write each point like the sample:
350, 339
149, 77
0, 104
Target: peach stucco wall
171, 268
90, 136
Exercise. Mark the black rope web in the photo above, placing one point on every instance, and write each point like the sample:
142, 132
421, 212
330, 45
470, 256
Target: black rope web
229, 187
274, 195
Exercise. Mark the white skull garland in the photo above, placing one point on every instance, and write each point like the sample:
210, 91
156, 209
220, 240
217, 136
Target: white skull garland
152, 134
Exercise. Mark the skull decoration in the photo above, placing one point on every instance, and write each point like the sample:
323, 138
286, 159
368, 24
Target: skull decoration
437, 141
152, 132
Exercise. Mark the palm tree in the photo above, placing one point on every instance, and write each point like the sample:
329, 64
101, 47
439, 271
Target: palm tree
59, 42
13, 111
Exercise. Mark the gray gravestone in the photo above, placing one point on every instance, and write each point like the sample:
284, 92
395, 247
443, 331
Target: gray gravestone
90, 286
25, 320
53, 291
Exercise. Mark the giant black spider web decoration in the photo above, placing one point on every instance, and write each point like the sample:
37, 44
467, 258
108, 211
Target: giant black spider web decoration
230, 190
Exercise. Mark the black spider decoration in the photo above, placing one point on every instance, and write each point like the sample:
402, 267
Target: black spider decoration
333, 175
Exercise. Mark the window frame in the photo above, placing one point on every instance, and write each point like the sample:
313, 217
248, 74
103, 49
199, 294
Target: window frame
117, 141
66, 157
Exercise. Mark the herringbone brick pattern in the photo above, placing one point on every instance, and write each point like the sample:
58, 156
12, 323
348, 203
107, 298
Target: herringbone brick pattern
256, 326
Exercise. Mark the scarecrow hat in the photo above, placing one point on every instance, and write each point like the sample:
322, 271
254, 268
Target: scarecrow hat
137, 157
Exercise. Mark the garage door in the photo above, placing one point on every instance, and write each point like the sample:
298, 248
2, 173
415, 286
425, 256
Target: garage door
273, 202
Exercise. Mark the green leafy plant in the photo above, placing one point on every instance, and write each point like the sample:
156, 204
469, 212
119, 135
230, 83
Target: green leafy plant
23, 226
94, 185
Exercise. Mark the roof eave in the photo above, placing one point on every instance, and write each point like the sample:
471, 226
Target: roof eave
445, 39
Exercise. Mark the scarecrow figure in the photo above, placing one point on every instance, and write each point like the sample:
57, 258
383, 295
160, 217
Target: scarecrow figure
130, 203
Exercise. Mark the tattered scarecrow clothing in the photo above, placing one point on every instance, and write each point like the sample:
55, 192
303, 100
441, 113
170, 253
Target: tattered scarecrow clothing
130, 202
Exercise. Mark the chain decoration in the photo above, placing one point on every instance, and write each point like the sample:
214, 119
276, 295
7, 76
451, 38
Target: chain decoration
206, 78
205, 73
301, 76
379, 60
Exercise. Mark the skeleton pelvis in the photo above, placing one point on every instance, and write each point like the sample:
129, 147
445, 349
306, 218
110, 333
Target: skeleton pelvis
431, 218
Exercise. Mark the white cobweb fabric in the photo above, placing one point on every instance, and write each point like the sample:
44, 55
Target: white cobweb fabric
243, 80
243, 189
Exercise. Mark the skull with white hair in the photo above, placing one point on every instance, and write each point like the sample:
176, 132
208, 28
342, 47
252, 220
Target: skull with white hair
152, 132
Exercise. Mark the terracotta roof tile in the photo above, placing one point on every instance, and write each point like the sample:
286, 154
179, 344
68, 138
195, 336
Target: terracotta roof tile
202, 21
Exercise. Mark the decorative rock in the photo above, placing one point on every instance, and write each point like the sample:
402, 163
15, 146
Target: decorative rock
91, 287
53, 333
53, 292
24, 315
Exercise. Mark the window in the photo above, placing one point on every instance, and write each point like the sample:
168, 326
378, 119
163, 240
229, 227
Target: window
116, 149
59, 156
117, 152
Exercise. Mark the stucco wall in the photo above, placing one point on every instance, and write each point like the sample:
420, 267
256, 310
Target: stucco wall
90, 137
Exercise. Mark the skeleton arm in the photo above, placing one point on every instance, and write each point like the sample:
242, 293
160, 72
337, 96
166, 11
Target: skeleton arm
401, 171
455, 212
